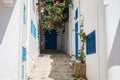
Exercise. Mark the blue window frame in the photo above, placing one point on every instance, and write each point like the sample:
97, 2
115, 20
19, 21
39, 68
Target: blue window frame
76, 39
76, 13
91, 43
33, 29
23, 54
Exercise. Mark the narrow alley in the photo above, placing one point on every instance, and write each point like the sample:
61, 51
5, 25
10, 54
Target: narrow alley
52, 66
59, 39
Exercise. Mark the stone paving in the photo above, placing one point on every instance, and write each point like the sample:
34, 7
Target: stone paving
52, 66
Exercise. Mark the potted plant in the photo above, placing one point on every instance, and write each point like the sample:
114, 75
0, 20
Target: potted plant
80, 64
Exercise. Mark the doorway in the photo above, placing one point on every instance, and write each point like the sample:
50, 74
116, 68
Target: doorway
50, 40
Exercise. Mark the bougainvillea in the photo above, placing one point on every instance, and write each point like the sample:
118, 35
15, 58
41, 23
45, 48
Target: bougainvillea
54, 13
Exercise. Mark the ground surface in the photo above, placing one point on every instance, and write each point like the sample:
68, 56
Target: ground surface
52, 66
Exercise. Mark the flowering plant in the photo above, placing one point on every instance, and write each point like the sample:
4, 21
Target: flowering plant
53, 13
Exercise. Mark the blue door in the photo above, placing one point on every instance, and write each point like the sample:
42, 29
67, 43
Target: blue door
76, 39
50, 40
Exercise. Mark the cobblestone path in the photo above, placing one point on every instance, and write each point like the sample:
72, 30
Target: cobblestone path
52, 66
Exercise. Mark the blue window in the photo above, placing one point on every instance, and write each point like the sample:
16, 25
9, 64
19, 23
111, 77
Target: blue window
33, 29
23, 54
91, 43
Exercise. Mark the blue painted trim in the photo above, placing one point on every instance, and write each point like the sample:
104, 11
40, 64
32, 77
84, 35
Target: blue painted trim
76, 39
76, 13
23, 54
33, 29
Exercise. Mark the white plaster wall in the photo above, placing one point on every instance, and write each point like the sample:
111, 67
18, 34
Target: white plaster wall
114, 60
112, 19
93, 12
112, 15
102, 41
23, 35
71, 24
89, 11
64, 39
9, 46
32, 44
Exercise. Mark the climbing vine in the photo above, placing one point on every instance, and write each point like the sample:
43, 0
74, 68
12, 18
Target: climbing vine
82, 35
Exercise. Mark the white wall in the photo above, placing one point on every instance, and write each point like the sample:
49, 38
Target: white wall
112, 21
64, 39
23, 38
72, 21
112, 15
32, 43
93, 12
13, 36
89, 11
9, 37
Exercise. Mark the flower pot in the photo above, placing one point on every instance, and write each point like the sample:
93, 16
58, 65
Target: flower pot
79, 70
83, 70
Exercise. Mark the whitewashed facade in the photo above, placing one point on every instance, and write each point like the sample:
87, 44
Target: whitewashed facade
19, 45
112, 19
103, 16
18, 38
94, 20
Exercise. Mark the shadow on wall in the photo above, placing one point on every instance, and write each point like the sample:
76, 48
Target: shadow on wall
5, 15
114, 58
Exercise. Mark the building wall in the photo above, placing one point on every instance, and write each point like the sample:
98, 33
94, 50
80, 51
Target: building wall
32, 35
66, 39
9, 41
93, 12
89, 11
15, 33
23, 40
71, 28
112, 15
